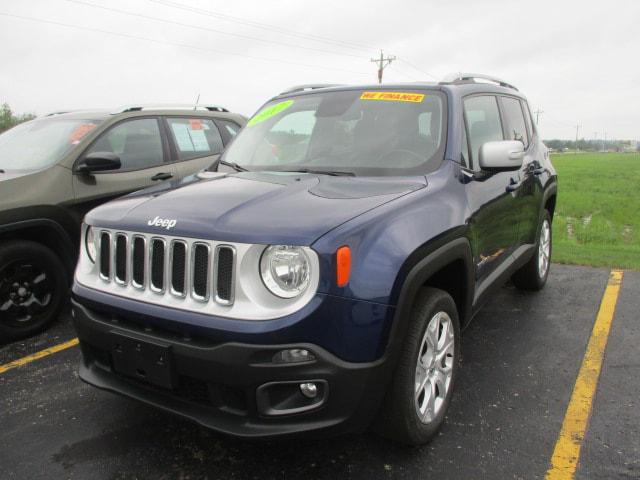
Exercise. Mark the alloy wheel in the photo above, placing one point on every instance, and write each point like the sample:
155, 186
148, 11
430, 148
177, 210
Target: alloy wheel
434, 367
25, 291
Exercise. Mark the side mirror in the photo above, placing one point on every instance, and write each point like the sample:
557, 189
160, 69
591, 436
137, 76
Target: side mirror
501, 155
98, 162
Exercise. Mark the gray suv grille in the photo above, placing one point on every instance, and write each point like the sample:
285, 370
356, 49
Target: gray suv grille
168, 266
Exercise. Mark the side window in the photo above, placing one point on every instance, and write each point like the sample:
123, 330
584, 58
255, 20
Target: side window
516, 126
483, 121
231, 128
527, 118
137, 142
195, 137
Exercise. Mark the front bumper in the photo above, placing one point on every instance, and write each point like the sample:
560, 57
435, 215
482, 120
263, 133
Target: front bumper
234, 388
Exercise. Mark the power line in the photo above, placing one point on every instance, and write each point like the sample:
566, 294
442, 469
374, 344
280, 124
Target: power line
417, 68
263, 26
198, 27
176, 44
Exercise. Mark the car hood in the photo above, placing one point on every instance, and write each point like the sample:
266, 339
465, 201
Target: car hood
10, 175
252, 207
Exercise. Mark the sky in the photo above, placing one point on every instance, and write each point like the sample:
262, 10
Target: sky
576, 61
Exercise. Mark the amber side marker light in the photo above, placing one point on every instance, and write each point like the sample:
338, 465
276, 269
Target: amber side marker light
343, 266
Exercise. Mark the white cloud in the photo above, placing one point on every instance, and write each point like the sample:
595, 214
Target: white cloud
573, 59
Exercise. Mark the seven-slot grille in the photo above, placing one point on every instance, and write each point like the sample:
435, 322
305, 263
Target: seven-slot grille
176, 267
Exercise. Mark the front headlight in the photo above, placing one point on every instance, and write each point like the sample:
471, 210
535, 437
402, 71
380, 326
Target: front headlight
90, 244
285, 270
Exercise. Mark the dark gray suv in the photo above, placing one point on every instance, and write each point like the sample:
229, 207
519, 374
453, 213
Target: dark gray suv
56, 168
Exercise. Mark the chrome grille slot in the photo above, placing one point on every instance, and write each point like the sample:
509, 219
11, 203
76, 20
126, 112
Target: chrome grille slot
156, 263
224, 262
169, 270
121, 259
105, 255
200, 268
178, 267
137, 261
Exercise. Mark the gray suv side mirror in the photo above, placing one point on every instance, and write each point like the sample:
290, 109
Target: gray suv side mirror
501, 155
98, 162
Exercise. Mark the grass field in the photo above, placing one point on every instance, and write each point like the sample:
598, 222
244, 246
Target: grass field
597, 219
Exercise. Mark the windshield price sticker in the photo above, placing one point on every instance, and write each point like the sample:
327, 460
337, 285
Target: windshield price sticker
79, 132
393, 96
269, 112
195, 124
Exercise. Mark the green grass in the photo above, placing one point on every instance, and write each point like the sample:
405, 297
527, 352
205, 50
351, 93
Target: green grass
597, 220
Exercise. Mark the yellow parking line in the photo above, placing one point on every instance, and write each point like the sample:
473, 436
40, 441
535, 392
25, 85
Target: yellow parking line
567, 450
35, 356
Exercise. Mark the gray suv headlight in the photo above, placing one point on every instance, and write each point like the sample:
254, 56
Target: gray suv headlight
90, 244
285, 270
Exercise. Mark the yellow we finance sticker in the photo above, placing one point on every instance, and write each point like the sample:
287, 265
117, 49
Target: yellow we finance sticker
393, 96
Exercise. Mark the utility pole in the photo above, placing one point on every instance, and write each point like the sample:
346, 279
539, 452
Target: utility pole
383, 63
538, 112
604, 144
577, 129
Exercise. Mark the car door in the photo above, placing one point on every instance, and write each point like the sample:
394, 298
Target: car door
528, 191
143, 153
196, 143
493, 221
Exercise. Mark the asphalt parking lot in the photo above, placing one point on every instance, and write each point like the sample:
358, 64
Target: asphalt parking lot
521, 357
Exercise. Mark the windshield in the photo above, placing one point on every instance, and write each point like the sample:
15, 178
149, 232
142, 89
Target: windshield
374, 133
40, 143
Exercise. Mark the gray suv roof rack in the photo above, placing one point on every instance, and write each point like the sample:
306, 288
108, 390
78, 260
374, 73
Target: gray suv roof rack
170, 106
310, 86
471, 77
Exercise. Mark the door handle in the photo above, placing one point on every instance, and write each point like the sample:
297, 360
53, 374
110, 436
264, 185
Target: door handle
162, 176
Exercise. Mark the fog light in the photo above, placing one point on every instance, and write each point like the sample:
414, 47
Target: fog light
293, 355
309, 390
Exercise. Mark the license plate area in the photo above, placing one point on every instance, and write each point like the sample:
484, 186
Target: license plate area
143, 360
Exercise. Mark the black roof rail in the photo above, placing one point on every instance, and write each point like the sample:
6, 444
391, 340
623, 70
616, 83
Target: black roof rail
310, 86
471, 77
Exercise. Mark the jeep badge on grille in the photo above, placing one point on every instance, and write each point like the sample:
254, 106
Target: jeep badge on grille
162, 222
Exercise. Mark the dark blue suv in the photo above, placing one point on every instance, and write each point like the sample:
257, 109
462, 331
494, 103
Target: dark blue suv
318, 276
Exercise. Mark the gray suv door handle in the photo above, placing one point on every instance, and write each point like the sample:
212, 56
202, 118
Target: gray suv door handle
161, 176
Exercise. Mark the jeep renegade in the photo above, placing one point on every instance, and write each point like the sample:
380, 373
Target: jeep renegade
319, 278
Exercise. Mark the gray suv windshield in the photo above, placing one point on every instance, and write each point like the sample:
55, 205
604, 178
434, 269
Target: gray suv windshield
40, 143
375, 132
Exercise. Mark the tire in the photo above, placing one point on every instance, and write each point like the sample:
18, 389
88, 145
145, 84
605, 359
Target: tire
401, 417
33, 289
533, 274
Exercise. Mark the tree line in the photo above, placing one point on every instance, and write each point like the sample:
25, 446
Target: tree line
593, 145
9, 119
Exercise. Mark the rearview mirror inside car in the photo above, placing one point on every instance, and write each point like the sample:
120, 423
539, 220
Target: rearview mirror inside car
501, 155
98, 162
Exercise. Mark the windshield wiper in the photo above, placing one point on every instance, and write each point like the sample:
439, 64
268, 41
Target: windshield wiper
333, 173
234, 165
